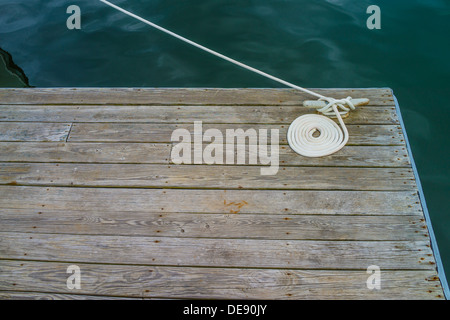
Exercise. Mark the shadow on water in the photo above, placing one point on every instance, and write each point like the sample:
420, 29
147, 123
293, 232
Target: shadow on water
11, 75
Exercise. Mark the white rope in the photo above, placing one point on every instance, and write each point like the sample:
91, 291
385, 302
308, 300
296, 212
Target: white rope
301, 141
212, 51
314, 135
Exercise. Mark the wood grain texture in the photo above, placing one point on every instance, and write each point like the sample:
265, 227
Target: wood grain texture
184, 114
214, 283
350, 156
27, 295
374, 135
208, 252
212, 201
199, 225
79, 152
183, 96
34, 131
205, 177
84, 152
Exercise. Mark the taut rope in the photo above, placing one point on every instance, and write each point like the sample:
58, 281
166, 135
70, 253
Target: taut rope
300, 134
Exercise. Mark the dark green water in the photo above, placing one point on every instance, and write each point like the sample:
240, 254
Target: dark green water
310, 43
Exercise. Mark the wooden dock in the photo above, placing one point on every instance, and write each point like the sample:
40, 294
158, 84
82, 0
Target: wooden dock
87, 180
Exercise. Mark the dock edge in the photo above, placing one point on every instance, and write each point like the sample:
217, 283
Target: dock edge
434, 245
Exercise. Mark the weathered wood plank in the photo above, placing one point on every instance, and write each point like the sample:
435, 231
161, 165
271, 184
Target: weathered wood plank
297, 254
85, 152
349, 156
213, 283
145, 153
211, 201
34, 131
244, 226
162, 133
205, 177
187, 96
183, 114
22, 295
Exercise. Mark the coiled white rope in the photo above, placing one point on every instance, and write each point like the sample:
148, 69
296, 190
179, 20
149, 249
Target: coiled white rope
301, 132
329, 137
